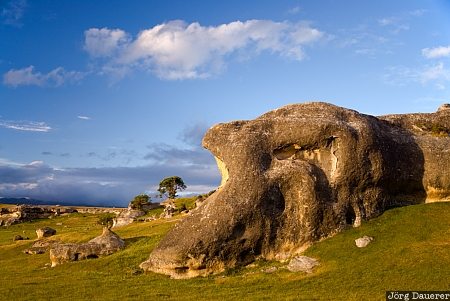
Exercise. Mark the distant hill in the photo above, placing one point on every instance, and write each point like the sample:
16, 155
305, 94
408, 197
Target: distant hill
29, 201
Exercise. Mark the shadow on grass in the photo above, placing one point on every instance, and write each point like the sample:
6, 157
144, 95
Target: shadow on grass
132, 240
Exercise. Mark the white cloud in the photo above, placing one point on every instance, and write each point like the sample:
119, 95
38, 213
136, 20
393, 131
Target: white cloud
395, 25
387, 21
176, 50
399, 23
28, 77
84, 117
294, 10
29, 126
104, 41
436, 74
437, 52
13, 11
417, 12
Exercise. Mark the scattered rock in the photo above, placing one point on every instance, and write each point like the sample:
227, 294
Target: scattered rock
9, 219
59, 224
302, 264
105, 244
282, 256
136, 272
18, 237
127, 217
362, 242
251, 265
108, 240
270, 270
45, 232
301, 173
169, 209
150, 218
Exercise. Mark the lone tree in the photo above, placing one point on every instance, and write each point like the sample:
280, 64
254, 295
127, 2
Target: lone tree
139, 201
170, 186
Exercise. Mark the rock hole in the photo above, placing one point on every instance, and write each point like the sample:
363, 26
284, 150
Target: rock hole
238, 231
91, 256
76, 256
181, 270
286, 151
350, 216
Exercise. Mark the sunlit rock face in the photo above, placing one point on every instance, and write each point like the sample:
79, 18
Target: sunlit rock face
300, 173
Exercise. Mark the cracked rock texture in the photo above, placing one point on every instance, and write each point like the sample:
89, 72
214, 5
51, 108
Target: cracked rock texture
301, 173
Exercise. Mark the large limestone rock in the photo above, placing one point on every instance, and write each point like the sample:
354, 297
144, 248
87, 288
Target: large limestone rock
127, 217
45, 232
301, 173
41, 246
105, 244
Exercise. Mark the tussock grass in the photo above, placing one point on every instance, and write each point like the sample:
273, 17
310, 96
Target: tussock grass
411, 251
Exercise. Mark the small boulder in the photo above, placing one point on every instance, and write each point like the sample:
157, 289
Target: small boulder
45, 232
302, 264
105, 244
362, 242
109, 240
18, 237
127, 217
269, 270
169, 209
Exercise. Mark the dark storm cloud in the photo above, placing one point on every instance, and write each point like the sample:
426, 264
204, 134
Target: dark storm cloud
193, 134
98, 186
114, 185
164, 153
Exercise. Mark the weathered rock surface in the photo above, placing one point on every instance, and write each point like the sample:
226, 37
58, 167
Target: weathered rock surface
302, 264
105, 244
21, 213
41, 246
362, 242
130, 215
301, 173
169, 209
45, 232
127, 217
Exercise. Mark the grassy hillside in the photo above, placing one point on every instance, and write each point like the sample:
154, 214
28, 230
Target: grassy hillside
411, 250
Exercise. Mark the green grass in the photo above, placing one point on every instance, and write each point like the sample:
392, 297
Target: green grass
189, 203
411, 251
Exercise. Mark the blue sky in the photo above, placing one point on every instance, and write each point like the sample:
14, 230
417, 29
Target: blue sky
100, 100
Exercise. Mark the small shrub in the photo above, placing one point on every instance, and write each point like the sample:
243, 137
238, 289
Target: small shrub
182, 207
139, 201
435, 129
106, 220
